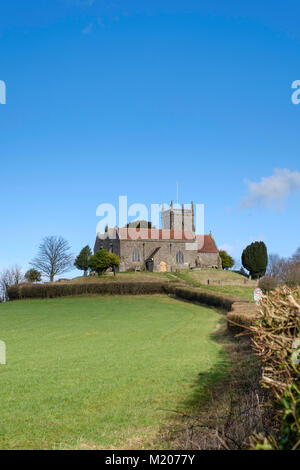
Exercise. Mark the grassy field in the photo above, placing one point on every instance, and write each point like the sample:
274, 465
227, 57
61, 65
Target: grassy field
101, 372
224, 282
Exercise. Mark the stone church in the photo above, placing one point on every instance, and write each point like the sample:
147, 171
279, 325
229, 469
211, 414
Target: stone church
173, 247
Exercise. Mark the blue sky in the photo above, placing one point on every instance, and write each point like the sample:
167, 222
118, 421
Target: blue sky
127, 98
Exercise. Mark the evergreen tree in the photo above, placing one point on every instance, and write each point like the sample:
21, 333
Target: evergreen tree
82, 260
33, 275
227, 260
255, 259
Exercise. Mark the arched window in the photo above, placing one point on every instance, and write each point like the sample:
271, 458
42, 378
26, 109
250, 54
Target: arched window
179, 257
135, 255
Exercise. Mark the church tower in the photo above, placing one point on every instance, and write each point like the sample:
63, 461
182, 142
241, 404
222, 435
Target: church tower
179, 218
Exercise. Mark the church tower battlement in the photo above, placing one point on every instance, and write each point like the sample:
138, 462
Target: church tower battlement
179, 218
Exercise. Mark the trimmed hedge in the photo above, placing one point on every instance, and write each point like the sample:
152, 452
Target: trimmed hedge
238, 321
202, 296
48, 291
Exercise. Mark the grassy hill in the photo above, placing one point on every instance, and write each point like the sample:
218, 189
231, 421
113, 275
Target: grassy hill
224, 277
226, 282
143, 276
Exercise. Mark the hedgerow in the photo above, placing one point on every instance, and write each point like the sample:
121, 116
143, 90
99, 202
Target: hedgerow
41, 291
276, 339
202, 296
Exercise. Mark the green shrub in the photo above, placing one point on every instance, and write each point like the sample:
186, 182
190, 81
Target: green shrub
227, 260
290, 425
102, 260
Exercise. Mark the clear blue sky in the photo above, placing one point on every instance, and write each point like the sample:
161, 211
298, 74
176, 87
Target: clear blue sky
128, 97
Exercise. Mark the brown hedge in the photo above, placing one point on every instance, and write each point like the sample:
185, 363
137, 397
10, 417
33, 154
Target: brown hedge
42, 291
276, 340
238, 321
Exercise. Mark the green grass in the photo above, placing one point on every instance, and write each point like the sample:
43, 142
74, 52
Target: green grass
139, 276
242, 291
216, 275
99, 372
239, 291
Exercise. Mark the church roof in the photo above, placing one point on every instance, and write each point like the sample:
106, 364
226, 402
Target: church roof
206, 243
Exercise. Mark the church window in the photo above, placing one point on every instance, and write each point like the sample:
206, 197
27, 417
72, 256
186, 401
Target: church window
179, 257
135, 255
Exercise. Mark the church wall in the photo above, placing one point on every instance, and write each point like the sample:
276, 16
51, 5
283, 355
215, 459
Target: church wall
112, 245
210, 260
167, 253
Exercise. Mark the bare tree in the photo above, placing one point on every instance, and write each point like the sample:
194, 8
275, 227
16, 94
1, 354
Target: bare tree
276, 267
18, 275
53, 257
10, 277
285, 270
5, 282
291, 273
295, 259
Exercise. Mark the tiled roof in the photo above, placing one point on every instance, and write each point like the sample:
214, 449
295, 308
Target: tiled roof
206, 244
